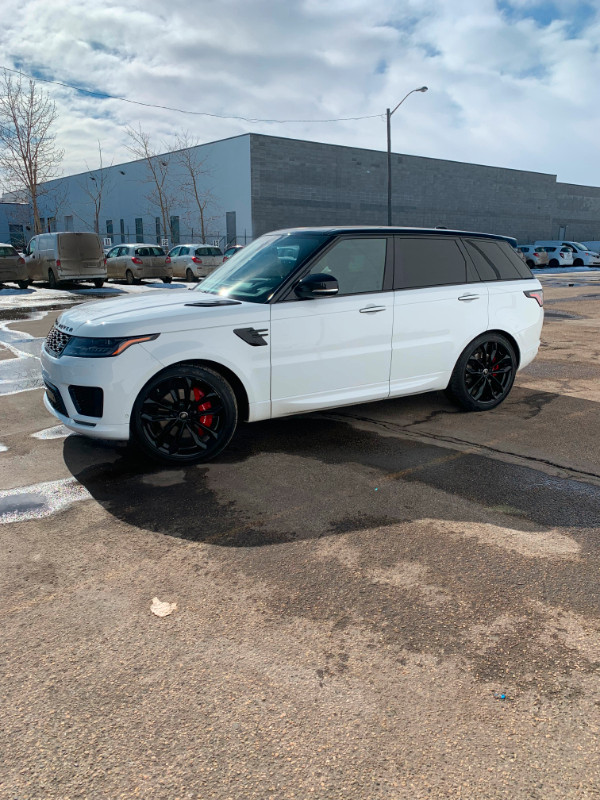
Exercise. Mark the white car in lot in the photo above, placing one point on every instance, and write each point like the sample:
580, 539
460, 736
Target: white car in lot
533, 256
300, 320
558, 256
193, 261
582, 255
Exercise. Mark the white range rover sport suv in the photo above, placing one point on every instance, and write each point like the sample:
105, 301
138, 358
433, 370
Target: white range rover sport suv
300, 320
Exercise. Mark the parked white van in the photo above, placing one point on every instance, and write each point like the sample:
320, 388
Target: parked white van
582, 255
66, 256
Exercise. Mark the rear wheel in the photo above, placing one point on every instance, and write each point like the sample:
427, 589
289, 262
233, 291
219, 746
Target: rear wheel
484, 373
23, 284
553, 262
530, 263
98, 283
185, 414
189, 275
167, 279
52, 282
129, 277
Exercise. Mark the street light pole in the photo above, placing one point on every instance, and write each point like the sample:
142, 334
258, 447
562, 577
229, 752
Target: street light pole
388, 114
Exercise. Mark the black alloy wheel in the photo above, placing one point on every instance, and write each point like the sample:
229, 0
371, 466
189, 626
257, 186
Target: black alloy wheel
185, 414
484, 373
167, 279
129, 277
52, 282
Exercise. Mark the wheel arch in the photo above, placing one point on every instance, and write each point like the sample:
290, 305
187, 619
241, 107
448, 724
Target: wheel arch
511, 339
241, 395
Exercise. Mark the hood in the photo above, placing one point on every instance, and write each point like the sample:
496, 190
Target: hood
158, 311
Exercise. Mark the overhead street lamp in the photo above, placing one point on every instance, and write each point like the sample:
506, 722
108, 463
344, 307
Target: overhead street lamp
389, 150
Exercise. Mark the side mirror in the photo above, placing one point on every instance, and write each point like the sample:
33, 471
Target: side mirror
319, 285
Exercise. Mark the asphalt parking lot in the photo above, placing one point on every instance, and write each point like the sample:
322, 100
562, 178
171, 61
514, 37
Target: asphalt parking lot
395, 600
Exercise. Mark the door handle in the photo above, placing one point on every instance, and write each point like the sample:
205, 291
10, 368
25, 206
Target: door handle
468, 297
372, 309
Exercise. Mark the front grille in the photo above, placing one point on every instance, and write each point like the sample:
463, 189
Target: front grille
88, 400
56, 341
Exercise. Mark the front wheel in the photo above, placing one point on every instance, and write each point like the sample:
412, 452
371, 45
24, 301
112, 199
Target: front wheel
484, 373
98, 283
578, 262
167, 279
23, 284
184, 415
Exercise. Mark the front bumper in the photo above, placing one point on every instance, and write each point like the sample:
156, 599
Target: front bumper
120, 378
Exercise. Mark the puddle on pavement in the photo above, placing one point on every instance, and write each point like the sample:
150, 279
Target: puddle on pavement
560, 314
40, 500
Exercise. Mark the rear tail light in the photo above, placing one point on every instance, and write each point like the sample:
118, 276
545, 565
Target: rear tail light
225, 258
58, 262
168, 260
137, 260
562, 255
537, 295
537, 255
21, 260
196, 260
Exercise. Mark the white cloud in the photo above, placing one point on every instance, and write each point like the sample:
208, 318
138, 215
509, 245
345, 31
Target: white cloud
511, 84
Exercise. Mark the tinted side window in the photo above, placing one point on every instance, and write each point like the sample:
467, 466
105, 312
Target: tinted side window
496, 261
184, 251
434, 261
357, 264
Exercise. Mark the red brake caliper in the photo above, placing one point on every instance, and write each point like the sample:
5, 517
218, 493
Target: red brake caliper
205, 420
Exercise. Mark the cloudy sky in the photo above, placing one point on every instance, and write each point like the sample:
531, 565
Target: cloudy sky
512, 83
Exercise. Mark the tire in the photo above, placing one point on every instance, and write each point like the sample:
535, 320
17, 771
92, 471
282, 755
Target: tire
22, 284
530, 263
553, 262
52, 282
167, 279
98, 283
189, 276
170, 424
129, 277
578, 262
484, 374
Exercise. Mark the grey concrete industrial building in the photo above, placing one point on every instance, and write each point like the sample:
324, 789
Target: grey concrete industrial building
259, 183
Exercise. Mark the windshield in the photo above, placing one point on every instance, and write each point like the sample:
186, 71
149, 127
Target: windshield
261, 267
578, 245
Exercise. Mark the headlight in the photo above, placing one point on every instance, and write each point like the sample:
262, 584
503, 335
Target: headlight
87, 347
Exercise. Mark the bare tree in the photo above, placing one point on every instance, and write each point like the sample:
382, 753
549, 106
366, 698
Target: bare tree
195, 173
158, 170
28, 153
95, 186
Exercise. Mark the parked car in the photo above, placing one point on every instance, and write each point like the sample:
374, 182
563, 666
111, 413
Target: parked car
232, 250
582, 255
66, 256
361, 314
132, 262
193, 261
12, 267
558, 256
534, 257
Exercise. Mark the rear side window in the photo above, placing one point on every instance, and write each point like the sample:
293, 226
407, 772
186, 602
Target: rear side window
184, 251
435, 261
214, 251
8, 251
496, 261
156, 251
